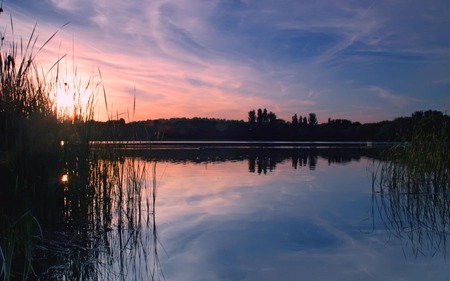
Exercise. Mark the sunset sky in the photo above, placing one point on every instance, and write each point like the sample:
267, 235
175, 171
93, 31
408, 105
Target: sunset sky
360, 60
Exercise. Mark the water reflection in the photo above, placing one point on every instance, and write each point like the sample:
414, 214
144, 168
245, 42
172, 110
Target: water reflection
95, 221
414, 205
219, 214
109, 229
289, 224
260, 160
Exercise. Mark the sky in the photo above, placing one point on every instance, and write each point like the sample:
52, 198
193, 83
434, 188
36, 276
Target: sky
366, 61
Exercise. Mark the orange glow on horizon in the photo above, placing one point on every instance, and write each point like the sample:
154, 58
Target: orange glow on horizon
143, 88
149, 88
150, 72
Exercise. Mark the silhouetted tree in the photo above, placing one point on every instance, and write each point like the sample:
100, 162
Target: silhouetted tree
252, 116
312, 119
295, 119
300, 120
265, 116
430, 122
259, 118
272, 117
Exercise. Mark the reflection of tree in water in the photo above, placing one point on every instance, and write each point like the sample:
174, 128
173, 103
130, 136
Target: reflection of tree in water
261, 164
200, 154
267, 161
260, 159
304, 158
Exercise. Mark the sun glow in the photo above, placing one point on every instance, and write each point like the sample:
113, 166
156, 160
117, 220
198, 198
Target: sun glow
74, 101
65, 103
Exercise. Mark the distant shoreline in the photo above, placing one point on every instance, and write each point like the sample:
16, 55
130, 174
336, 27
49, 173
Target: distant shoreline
261, 144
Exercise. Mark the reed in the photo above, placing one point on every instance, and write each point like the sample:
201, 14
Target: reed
99, 221
111, 207
421, 165
26, 105
412, 187
31, 127
26, 204
32, 117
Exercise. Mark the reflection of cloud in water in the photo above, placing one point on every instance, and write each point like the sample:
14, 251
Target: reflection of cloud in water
221, 189
219, 222
221, 207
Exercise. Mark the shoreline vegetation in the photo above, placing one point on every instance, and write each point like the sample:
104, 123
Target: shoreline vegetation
64, 200
401, 129
411, 187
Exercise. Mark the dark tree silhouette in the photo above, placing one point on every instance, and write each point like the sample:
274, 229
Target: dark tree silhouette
271, 128
312, 119
260, 118
272, 117
252, 116
265, 116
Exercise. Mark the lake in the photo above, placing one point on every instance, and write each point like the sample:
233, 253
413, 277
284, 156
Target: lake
310, 218
241, 213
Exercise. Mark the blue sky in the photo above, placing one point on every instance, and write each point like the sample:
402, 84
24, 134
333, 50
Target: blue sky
360, 60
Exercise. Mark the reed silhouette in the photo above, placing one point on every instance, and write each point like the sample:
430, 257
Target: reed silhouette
64, 205
411, 188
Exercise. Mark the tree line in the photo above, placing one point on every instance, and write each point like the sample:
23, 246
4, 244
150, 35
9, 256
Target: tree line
263, 125
261, 116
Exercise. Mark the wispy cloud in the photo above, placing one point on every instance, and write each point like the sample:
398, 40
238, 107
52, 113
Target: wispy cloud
68, 5
194, 57
394, 99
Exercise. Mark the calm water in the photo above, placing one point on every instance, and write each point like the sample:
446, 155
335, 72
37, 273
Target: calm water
242, 214
318, 221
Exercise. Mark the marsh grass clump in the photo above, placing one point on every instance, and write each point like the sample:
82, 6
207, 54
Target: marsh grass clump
31, 158
91, 224
109, 220
28, 131
26, 105
97, 223
32, 114
413, 185
421, 165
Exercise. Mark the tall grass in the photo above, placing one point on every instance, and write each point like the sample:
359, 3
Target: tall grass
413, 187
110, 218
97, 224
31, 127
26, 105
100, 223
423, 164
31, 115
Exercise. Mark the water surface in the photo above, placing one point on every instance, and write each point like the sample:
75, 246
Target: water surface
215, 212
308, 218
